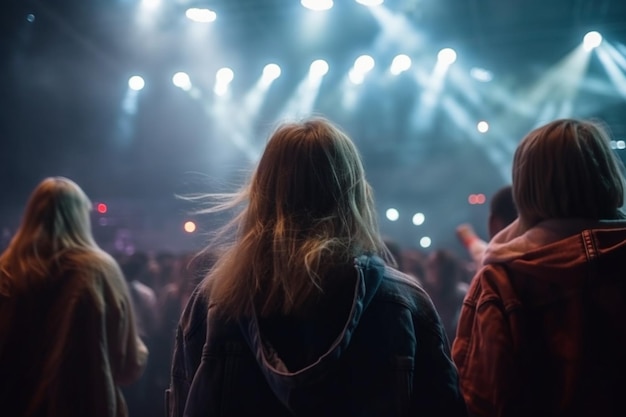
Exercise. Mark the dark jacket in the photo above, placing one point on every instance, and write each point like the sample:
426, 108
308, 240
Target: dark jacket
68, 343
390, 357
542, 329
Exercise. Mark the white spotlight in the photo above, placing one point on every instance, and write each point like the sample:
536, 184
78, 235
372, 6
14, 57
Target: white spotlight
317, 5
271, 72
189, 226
370, 3
447, 56
364, 64
150, 4
224, 75
400, 64
356, 77
482, 126
592, 40
220, 89
201, 15
425, 242
481, 74
136, 83
392, 214
318, 68
418, 219
181, 80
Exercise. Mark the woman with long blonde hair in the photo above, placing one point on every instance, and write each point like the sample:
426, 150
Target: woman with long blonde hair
300, 315
67, 333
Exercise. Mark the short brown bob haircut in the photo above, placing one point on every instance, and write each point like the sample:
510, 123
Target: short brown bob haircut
567, 169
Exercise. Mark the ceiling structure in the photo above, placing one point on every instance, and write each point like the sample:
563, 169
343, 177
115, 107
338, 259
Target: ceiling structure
67, 110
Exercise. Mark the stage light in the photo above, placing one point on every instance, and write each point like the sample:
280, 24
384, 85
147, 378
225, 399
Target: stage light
189, 227
400, 64
418, 219
447, 56
425, 242
181, 80
482, 126
356, 77
392, 214
136, 83
271, 72
102, 208
476, 199
150, 4
364, 64
481, 74
592, 40
201, 15
317, 5
224, 75
318, 68
370, 3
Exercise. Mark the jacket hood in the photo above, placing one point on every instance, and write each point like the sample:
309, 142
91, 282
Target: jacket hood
289, 384
517, 243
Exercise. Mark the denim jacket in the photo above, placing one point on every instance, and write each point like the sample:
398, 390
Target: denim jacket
391, 358
542, 329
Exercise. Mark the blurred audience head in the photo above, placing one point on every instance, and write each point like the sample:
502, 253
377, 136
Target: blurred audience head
57, 214
56, 218
502, 210
443, 272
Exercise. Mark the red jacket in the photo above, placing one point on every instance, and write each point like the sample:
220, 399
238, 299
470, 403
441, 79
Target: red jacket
542, 330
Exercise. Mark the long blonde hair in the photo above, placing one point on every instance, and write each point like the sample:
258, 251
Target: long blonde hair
307, 207
56, 218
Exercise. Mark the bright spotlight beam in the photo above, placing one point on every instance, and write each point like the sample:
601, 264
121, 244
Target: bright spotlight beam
224, 75
592, 40
317, 5
136, 83
318, 68
302, 101
364, 64
370, 3
400, 64
482, 126
200, 15
615, 55
612, 69
446, 56
430, 96
182, 81
223, 78
271, 72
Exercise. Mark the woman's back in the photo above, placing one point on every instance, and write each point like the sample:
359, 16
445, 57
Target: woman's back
377, 349
299, 314
62, 340
541, 330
